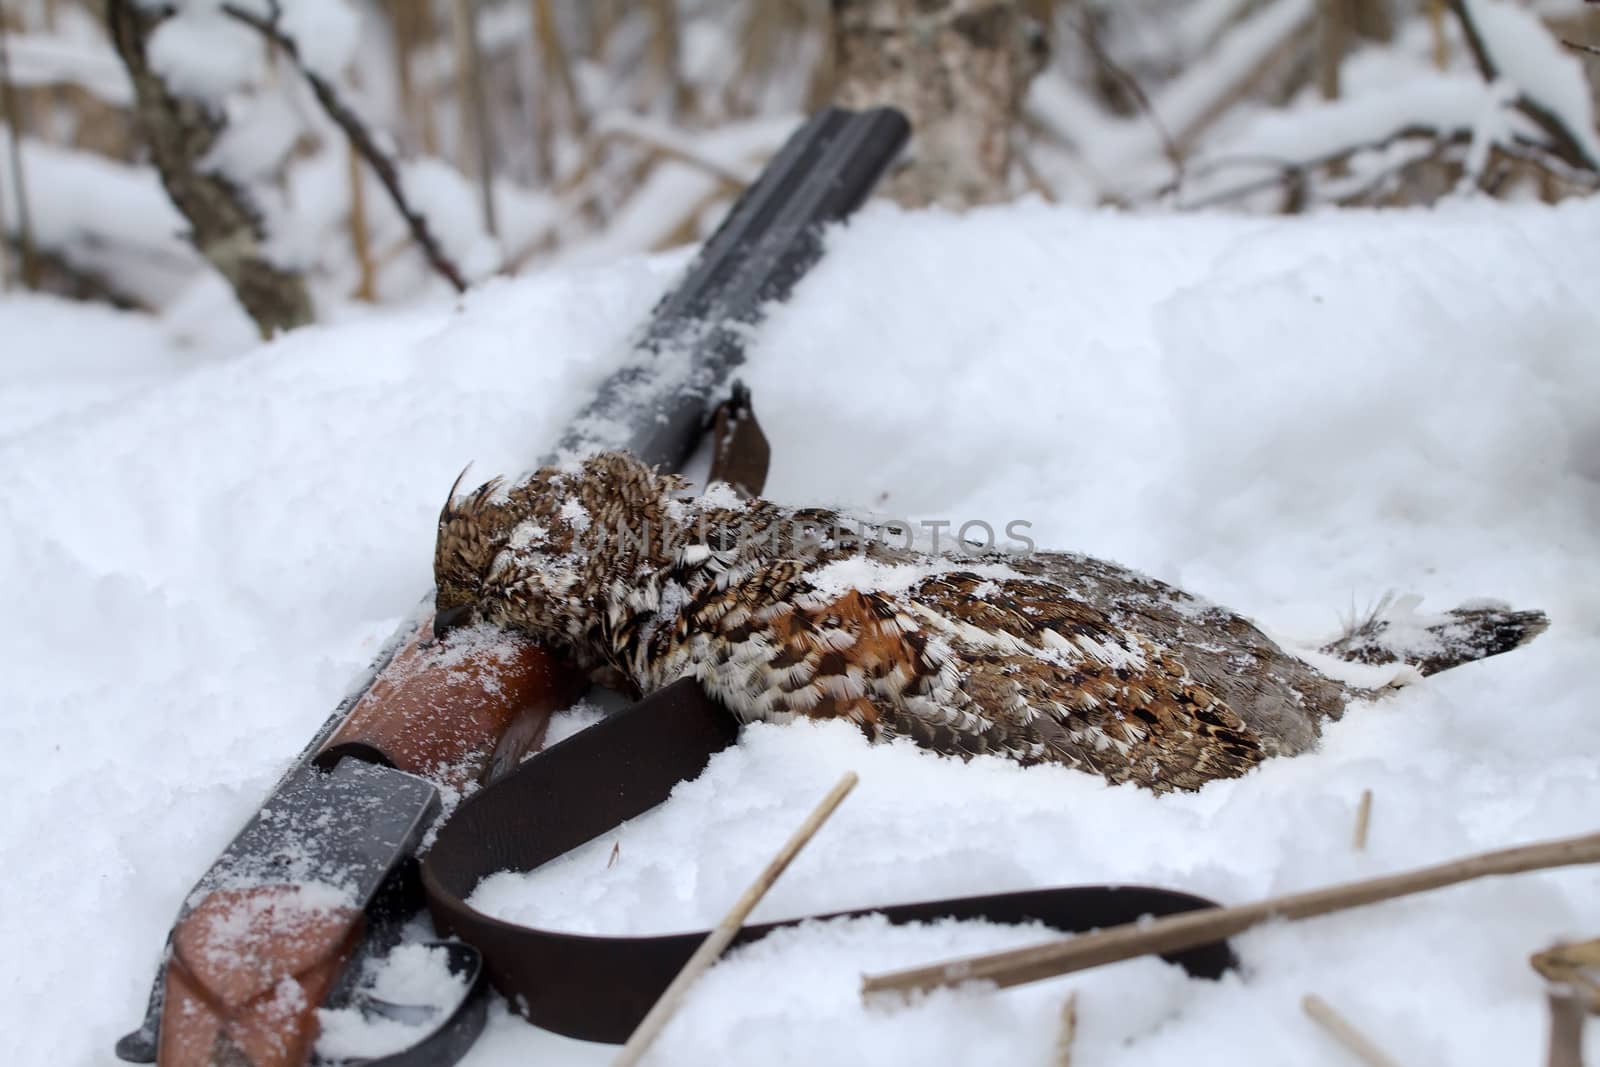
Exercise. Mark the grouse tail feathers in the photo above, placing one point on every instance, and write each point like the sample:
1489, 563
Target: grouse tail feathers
1395, 630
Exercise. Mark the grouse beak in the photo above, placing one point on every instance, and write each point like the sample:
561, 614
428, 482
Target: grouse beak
450, 618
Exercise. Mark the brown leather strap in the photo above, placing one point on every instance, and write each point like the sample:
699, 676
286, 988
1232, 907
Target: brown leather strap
598, 988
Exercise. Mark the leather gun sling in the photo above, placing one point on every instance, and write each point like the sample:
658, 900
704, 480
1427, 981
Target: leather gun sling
599, 988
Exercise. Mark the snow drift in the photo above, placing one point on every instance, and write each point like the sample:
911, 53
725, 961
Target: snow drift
1290, 417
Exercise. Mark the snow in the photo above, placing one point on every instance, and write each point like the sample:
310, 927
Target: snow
53, 59
454, 215
833, 580
1444, 102
326, 33
1289, 417
413, 974
108, 218
203, 53
61, 370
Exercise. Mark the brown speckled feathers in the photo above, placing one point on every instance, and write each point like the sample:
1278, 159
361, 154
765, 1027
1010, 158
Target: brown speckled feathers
1048, 657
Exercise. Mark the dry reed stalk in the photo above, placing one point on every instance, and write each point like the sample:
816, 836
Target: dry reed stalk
1068, 1031
1345, 1032
411, 21
474, 104
553, 51
725, 931
1333, 36
1174, 933
1441, 43
667, 52
360, 235
1565, 1048
13, 112
1363, 820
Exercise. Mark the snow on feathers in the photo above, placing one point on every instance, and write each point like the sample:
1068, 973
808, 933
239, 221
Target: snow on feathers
781, 612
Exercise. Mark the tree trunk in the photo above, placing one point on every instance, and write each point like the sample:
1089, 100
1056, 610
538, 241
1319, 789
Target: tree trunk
959, 70
224, 225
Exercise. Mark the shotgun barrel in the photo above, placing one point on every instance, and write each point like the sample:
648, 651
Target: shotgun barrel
323, 876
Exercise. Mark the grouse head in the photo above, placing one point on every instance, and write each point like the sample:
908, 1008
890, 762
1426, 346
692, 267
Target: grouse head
550, 555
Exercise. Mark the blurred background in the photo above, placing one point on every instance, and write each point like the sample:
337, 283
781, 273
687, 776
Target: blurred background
315, 154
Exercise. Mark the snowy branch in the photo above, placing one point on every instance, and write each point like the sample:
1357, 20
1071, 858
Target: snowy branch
1439, 147
360, 139
1135, 91
1564, 141
670, 146
1293, 172
225, 225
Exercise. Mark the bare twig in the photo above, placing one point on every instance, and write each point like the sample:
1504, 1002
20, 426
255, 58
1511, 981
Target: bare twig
360, 139
725, 931
57, 274
664, 145
1533, 151
554, 53
1363, 820
1345, 1032
13, 113
474, 101
1131, 86
1284, 169
687, 231
1563, 141
1566, 1027
1175, 933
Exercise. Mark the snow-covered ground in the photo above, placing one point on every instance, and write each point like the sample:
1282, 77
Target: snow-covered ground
1291, 417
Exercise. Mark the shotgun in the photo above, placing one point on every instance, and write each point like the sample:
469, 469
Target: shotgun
323, 879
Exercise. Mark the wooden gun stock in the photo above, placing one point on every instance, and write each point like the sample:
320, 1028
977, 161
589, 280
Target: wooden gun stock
248, 969
250, 964
451, 710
